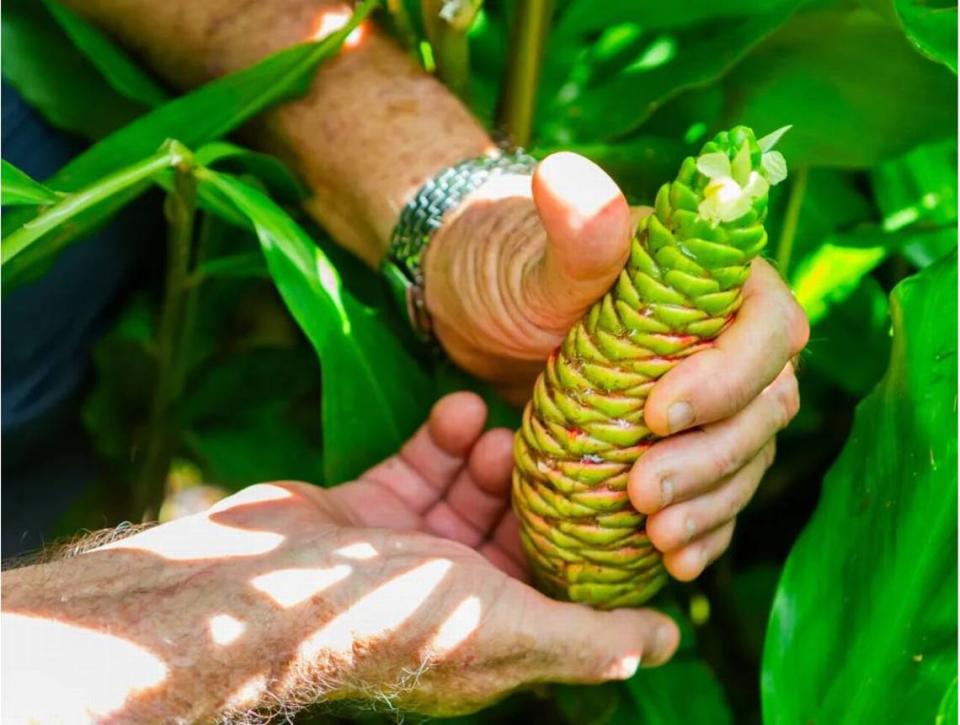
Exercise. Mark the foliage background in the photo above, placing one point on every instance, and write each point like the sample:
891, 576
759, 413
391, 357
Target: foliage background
837, 601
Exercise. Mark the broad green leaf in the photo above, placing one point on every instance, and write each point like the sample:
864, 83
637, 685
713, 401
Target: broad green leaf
931, 25
864, 624
851, 85
56, 79
373, 394
947, 714
210, 111
19, 189
669, 64
123, 75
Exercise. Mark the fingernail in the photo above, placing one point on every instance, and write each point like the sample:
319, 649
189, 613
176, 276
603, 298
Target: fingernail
691, 528
666, 492
679, 416
661, 641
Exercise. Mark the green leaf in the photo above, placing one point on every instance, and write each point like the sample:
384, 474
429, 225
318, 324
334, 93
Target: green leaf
373, 393
120, 72
947, 714
56, 79
931, 25
95, 196
662, 695
236, 266
669, 64
20, 189
919, 187
210, 111
269, 170
850, 345
875, 97
864, 624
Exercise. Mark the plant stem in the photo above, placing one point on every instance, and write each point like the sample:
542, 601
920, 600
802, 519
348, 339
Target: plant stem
528, 37
180, 211
448, 37
789, 232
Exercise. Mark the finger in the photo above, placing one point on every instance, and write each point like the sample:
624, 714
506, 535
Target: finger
582, 645
429, 462
677, 526
481, 492
687, 465
688, 563
588, 226
769, 329
506, 538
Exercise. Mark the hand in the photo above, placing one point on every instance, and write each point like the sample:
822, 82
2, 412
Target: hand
404, 587
519, 262
731, 400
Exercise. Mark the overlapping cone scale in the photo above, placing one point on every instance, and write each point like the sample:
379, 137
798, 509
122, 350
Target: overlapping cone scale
584, 426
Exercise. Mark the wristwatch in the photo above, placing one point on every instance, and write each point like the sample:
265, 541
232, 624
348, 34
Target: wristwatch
423, 215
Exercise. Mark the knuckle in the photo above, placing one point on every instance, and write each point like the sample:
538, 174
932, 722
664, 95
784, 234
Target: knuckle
786, 401
769, 453
798, 327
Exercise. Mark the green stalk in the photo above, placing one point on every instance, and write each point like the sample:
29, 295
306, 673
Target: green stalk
171, 154
798, 190
447, 33
180, 211
528, 37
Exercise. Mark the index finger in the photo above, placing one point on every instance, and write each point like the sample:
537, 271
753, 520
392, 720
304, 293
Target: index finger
769, 329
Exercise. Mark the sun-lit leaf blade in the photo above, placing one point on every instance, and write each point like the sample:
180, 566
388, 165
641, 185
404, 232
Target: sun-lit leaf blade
947, 714
854, 89
864, 624
19, 189
932, 27
123, 75
210, 111
670, 64
367, 419
55, 78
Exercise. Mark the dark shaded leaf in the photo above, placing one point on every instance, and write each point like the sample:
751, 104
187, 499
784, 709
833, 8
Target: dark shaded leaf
864, 624
55, 78
123, 75
669, 64
851, 85
374, 395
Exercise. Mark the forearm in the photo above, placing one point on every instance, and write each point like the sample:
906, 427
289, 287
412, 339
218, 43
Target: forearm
371, 130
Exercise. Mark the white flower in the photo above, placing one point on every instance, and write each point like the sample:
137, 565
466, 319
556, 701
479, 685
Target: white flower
734, 185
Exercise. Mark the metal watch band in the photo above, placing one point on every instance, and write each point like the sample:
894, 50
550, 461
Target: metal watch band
423, 216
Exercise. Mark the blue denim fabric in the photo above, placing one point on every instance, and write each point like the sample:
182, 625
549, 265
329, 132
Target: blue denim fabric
49, 327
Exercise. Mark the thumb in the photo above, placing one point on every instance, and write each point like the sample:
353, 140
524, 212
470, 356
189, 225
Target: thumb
588, 227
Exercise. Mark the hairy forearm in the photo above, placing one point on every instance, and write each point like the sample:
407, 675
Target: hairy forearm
371, 130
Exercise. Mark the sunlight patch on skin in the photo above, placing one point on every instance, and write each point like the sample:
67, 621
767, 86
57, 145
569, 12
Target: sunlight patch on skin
377, 613
330, 21
461, 623
261, 493
197, 537
289, 587
624, 669
361, 551
248, 694
42, 683
225, 629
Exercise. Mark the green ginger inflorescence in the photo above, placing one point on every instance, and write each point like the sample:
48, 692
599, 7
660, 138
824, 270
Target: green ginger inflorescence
584, 426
